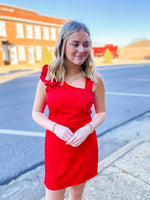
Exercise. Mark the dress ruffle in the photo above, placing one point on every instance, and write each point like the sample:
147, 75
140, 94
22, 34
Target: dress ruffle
49, 83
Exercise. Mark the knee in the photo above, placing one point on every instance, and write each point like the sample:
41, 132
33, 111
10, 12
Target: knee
75, 195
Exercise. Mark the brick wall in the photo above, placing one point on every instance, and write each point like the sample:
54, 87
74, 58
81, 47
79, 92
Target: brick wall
134, 53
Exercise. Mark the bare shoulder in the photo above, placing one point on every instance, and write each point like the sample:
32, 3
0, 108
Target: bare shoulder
41, 86
99, 85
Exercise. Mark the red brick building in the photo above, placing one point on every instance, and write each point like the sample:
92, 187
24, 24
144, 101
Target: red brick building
24, 34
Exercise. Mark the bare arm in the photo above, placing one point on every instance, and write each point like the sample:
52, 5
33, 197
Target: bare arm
38, 116
99, 102
39, 107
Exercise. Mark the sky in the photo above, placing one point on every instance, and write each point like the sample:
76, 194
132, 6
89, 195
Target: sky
118, 22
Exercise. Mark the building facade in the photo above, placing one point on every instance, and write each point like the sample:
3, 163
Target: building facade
134, 52
24, 34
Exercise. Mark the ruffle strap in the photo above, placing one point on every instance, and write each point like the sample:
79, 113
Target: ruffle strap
43, 77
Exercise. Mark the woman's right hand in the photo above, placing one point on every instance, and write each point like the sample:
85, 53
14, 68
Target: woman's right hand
63, 132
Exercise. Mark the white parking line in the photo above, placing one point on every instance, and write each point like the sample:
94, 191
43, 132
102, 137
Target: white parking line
128, 94
138, 79
23, 133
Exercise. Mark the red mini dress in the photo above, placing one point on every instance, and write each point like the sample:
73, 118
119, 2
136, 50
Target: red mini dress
71, 107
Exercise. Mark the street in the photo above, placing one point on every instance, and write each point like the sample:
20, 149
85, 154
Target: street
22, 140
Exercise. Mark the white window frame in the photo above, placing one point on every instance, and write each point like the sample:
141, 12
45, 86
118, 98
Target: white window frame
38, 52
21, 53
53, 33
2, 29
45, 33
29, 31
13, 54
19, 30
37, 32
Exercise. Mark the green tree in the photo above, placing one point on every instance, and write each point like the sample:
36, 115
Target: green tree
46, 57
107, 56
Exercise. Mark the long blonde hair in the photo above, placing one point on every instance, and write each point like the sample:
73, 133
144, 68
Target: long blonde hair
56, 69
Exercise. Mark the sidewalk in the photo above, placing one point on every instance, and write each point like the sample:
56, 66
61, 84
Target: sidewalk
124, 175
10, 72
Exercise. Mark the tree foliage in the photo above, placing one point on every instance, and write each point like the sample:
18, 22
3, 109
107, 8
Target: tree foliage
46, 57
107, 56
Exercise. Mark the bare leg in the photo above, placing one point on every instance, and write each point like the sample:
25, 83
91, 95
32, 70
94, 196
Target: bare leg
55, 195
76, 192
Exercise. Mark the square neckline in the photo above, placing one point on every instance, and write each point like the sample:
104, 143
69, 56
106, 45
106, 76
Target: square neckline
85, 86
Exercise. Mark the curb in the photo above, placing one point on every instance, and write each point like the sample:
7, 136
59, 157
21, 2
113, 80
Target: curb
119, 153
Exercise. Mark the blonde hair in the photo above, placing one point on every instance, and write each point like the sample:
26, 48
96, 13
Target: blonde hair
56, 69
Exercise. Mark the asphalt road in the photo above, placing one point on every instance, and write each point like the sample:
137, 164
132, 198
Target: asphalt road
22, 140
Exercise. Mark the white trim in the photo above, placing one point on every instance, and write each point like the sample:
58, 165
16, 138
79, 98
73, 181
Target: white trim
3, 29
20, 8
128, 94
23, 133
3, 39
139, 79
29, 21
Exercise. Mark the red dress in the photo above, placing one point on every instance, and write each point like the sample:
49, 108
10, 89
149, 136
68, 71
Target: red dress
69, 106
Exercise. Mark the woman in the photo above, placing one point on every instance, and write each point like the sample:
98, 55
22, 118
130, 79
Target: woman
69, 86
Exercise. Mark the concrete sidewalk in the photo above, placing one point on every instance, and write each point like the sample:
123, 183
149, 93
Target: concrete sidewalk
16, 73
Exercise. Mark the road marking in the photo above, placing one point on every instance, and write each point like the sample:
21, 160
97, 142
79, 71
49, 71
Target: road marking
138, 79
121, 66
128, 94
23, 133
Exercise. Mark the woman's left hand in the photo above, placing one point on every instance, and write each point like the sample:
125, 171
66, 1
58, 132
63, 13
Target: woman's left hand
79, 136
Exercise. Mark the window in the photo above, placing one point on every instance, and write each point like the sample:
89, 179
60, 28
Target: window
21, 51
53, 52
53, 34
2, 28
13, 54
29, 31
45, 33
19, 28
38, 52
37, 32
